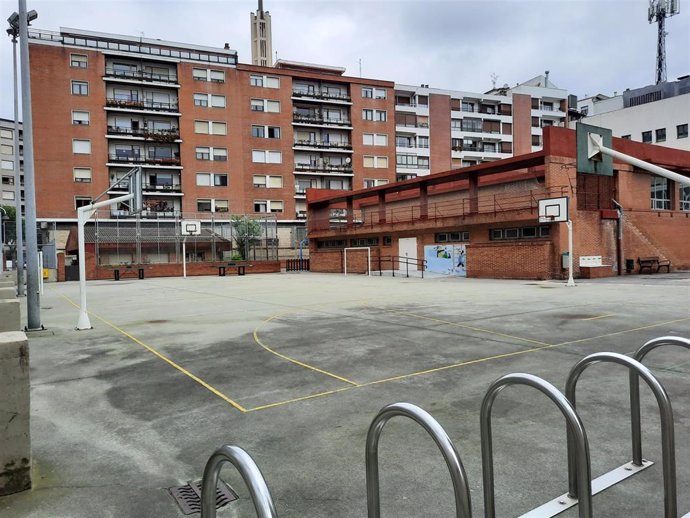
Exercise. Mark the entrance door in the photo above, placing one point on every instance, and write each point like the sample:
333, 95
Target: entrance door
407, 247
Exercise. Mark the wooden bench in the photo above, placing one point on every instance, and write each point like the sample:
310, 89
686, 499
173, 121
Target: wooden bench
654, 264
239, 267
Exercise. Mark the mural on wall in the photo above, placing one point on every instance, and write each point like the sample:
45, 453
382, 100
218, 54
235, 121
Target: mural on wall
446, 259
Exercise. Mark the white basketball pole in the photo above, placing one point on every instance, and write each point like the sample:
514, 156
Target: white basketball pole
571, 281
184, 257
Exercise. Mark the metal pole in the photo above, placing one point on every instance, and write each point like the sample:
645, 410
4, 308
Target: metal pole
668, 448
17, 178
2, 240
40, 272
571, 281
184, 257
33, 304
461, 490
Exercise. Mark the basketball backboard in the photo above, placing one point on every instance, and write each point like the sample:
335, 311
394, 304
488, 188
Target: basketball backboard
593, 163
191, 227
553, 210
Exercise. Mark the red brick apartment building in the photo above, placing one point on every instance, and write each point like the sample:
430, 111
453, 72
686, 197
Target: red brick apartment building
212, 135
489, 212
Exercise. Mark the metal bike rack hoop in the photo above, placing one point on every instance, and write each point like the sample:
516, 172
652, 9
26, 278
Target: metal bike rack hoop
463, 506
574, 426
667, 432
251, 474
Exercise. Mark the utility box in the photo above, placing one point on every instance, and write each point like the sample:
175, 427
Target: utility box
564, 260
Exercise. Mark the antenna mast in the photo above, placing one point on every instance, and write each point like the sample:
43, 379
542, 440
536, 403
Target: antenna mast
658, 11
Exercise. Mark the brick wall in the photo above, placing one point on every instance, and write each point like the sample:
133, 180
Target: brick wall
331, 261
514, 260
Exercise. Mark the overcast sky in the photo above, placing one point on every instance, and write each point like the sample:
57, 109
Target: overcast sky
589, 46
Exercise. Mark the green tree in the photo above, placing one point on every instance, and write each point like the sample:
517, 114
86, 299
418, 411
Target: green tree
9, 234
244, 232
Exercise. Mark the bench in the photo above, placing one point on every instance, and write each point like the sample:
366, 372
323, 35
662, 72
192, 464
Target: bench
654, 264
240, 269
127, 270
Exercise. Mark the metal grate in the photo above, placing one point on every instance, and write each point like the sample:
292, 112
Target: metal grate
188, 497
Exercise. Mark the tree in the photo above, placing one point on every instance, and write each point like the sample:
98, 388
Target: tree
244, 232
9, 234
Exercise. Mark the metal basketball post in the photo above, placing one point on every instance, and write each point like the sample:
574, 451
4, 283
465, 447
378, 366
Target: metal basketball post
571, 281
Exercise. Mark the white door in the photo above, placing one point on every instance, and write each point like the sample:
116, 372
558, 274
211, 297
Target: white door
407, 247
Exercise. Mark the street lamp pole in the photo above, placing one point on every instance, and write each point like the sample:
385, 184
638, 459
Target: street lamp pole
19, 231
33, 306
2, 239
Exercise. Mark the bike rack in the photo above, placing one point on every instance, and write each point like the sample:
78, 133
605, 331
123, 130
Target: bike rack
463, 505
251, 474
635, 390
574, 425
631, 468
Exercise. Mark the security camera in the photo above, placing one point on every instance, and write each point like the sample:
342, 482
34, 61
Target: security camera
14, 20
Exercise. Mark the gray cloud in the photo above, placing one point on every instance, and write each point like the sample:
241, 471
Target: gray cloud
589, 46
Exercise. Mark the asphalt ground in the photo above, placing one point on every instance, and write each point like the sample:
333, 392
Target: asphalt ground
293, 368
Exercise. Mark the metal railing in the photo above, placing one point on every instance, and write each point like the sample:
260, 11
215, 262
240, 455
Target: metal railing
141, 104
461, 489
319, 94
574, 425
164, 135
140, 159
347, 168
667, 432
318, 119
251, 474
323, 144
141, 75
420, 264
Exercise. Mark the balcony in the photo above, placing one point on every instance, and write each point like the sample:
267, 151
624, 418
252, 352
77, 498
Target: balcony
140, 75
323, 144
162, 187
301, 214
119, 158
323, 166
319, 95
318, 119
136, 104
161, 135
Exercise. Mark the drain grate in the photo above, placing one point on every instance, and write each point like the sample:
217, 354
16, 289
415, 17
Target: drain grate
188, 497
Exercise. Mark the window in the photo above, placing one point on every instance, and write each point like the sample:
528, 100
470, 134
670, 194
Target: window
271, 182
217, 101
497, 234
203, 205
684, 197
81, 147
367, 92
660, 193
268, 206
211, 127
627, 137
536, 140
203, 74
214, 101
261, 156
211, 180
380, 115
661, 135
257, 105
200, 99
8, 180
387, 240
368, 115
365, 241
219, 154
379, 93
264, 81
203, 153
266, 132
81, 201
200, 74
7, 165
379, 162
217, 76
8, 134
273, 132
456, 123
203, 179
259, 131
82, 174
647, 137
423, 142
80, 118
6, 149
450, 237
374, 182
221, 206
80, 88
78, 60
265, 105
256, 80
682, 131
375, 139
8, 195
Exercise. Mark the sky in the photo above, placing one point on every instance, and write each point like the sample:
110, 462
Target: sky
589, 46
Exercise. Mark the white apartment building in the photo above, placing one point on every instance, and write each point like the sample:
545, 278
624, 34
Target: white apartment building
7, 163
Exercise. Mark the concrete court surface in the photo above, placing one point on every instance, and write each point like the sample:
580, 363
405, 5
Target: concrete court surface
293, 368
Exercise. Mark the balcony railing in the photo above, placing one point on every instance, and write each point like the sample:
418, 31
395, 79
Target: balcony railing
176, 186
136, 104
140, 75
406, 104
322, 144
159, 135
138, 159
323, 166
317, 94
412, 125
318, 119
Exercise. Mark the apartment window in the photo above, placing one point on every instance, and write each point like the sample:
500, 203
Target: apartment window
80, 118
374, 182
367, 92
203, 205
378, 162
682, 131
7, 165
467, 107
368, 115
660, 193
211, 127
221, 206
380, 115
456, 123
261, 156
380, 93
498, 234
78, 60
268, 206
375, 139
81, 147
8, 195
423, 142
536, 140
627, 137
219, 154
204, 74
216, 76
264, 81
423, 162
265, 105
8, 134
6, 149
82, 174
203, 153
266, 132
80, 88
406, 161
200, 74
211, 180
661, 135
270, 182
256, 80
200, 99
81, 201
684, 198
259, 131
647, 137
450, 237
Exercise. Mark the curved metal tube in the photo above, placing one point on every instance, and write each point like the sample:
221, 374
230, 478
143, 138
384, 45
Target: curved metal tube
463, 505
574, 426
665, 411
261, 496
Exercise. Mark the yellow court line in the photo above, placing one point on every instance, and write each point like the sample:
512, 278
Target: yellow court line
292, 360
598, 317
165, 359
570, 342
303, 398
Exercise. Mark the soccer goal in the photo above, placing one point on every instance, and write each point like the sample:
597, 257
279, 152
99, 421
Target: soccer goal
359, 249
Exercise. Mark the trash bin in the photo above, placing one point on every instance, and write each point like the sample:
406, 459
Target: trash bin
629, 265
565, 259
